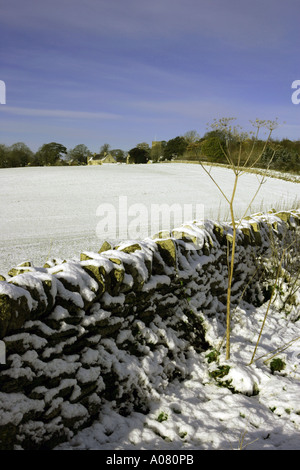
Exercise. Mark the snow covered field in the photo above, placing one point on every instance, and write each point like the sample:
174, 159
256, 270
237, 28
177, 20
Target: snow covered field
52, 211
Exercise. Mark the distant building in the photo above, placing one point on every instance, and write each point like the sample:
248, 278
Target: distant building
97, 159
157, 145
94, 160
156, 150
129, 160
108, 158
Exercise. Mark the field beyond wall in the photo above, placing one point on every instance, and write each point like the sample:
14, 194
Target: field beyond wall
52, 211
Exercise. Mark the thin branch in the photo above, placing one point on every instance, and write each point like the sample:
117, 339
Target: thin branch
277, 350
227, 156
269, 303
261, 152
260, 156
252, 149
240, 154
253, 198
214, 181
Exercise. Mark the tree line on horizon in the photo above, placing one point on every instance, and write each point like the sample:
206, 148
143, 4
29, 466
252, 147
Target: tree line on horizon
190, 147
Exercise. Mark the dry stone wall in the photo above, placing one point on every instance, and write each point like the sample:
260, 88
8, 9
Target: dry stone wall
117, 325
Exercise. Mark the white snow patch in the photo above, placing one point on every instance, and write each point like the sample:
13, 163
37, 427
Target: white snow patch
201, 414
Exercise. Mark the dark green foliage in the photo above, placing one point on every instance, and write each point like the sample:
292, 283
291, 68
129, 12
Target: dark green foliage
162, 417
277, 365
220, 372
139, 155
212, 148
79, 155
51, 154
212, 356
175, 148
219, 134
17, 155
118, 154
284, 158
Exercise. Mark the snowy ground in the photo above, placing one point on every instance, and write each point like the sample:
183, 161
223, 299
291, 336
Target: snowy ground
199, 414
52, 211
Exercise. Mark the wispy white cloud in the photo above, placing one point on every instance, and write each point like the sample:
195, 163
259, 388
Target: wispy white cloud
58, 113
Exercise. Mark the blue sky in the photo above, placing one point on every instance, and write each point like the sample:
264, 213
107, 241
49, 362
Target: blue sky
127, 71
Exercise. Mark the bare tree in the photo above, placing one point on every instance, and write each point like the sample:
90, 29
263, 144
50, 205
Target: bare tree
104, 149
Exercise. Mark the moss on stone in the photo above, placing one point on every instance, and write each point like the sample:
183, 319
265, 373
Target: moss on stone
256, 232
285, 216
167, 250
105, 247
21, 268
219, 232
131, 248
98, 273
85, 257
42, 294
116, 261
161, 235
185, 236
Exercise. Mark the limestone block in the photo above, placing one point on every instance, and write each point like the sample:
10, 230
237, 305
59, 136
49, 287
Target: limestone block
167, 250
105, 247
21, 268
41, 287
15, 307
